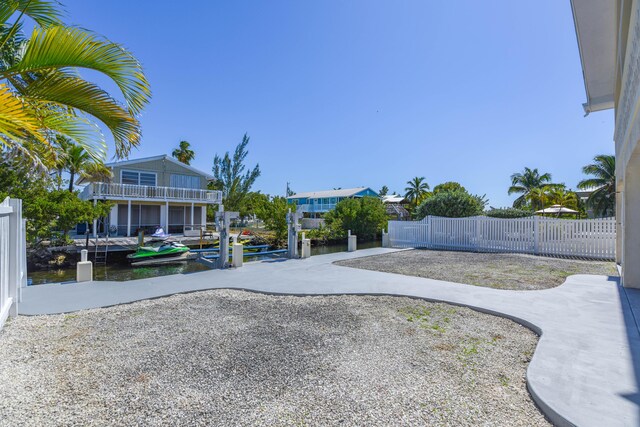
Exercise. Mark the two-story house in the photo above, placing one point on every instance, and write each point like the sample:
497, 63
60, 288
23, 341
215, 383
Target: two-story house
151, 192
314, 204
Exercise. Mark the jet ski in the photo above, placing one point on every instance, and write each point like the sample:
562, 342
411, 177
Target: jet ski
159, 252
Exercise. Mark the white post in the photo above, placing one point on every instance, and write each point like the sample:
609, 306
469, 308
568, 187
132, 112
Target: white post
536, 238
84, 269
113, 216
129, 218
306, 247
385, 239
15, 249
236, 254
352, 242
165, 224
203, 215
95, 221
192, 222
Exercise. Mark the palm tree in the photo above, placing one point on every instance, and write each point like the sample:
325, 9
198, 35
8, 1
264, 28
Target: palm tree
416, 190
523, 183
603, 199
76, 160
184, 153
42, 94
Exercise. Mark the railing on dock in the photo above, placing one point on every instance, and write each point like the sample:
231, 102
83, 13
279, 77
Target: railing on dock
13, 257
586, 238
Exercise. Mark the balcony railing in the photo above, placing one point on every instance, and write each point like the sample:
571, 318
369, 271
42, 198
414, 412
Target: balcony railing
318, 207
103, 190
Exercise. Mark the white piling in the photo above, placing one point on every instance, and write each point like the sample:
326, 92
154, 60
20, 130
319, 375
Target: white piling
84, 269
237, 255
385, 239
352, 242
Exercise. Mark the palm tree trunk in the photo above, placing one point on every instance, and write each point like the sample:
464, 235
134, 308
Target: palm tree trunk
71, 177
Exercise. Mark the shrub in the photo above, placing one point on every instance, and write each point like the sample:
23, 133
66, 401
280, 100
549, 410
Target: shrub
508, 213
274, 214
452, 204
365, 217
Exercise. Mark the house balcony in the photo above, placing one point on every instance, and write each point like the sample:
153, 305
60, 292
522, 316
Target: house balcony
316, 208
113, 191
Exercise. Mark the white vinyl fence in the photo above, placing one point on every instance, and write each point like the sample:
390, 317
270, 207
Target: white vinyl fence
585, 238
13, 257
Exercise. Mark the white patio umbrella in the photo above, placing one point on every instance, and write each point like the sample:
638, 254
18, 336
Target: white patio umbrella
556, 209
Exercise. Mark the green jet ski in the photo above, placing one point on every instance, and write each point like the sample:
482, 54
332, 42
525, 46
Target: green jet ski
159, 252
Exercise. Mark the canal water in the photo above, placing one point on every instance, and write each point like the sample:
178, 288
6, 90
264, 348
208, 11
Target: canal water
121, 271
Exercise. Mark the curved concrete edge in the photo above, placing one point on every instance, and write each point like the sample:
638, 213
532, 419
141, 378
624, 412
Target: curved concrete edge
551, 414
377, 284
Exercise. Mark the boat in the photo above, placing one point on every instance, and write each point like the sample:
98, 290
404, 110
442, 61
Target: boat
159, 252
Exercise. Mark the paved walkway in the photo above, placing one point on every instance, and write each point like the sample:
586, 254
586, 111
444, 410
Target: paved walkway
586, 368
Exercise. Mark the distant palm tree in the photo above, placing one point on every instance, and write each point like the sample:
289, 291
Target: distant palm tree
603, 199
76, 160
184, 153
416, 190
524, 183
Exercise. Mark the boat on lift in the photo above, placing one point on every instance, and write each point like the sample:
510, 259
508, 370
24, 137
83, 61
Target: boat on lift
159, 252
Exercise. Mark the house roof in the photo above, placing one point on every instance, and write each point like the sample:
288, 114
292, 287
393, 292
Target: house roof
161, 157
343, 192
596, 31
81, 180
392, 198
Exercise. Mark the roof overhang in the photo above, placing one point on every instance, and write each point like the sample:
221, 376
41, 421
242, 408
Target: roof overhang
596, 30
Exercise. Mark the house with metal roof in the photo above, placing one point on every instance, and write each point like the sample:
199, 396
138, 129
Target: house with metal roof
151, 192
315, 203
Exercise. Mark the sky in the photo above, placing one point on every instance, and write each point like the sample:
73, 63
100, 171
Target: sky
338, 93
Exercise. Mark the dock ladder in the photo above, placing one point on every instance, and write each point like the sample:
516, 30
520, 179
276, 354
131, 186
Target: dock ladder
100, 256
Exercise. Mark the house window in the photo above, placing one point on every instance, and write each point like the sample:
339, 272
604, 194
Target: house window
184, 181
138, 178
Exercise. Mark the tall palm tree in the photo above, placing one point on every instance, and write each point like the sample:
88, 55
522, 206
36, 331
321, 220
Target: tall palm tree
184, 153
416, 190
603, 199
73, 159
42, 94
523, 183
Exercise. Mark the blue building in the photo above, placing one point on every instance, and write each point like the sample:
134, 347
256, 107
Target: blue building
315, 203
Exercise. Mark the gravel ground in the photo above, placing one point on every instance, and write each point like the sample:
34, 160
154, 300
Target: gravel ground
500, 271
237, 358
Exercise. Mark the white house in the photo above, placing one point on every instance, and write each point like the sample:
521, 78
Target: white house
608, 33
151, 192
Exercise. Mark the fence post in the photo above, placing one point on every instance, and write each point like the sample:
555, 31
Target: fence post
15, 254
430, 243
535, 235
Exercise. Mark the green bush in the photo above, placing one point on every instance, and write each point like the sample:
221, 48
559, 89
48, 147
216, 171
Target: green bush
508, 213
274, 214
452, 204
365, 217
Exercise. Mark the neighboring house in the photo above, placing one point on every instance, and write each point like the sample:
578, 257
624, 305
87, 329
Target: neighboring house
583, 195
396, 207
608, 32
151, 192
315, 203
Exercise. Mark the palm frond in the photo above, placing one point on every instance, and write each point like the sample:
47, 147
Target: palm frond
69, 90
44, 12
16, 121
59, 47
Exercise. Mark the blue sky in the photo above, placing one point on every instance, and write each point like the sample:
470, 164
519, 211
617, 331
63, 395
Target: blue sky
352, 93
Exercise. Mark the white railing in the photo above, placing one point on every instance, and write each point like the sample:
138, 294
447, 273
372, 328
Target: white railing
317, 207
587, 238
13, 257
312, 223
99, 190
